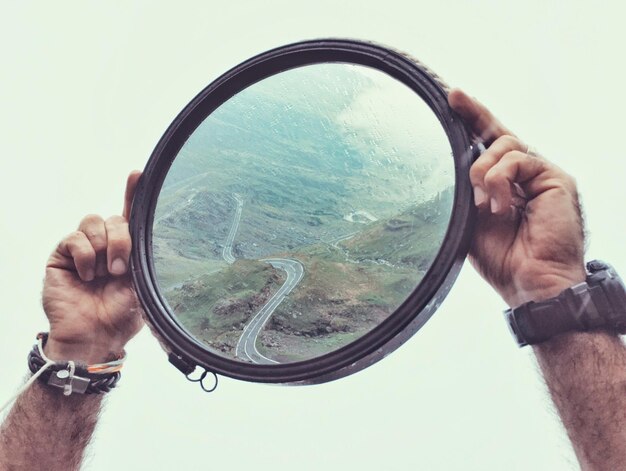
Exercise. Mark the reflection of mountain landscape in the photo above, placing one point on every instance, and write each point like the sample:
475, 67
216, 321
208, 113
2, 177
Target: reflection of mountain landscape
360, 224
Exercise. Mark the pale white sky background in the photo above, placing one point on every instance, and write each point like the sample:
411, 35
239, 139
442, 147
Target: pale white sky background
86, 90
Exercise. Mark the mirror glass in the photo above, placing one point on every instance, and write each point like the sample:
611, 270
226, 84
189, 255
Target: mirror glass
302, 212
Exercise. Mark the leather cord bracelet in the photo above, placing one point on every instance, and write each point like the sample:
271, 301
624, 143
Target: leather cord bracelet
71, 376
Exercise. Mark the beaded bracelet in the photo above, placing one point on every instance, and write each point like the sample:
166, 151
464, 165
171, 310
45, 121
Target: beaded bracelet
71, 376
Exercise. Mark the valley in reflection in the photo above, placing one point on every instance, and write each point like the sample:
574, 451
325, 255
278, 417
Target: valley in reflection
302, 212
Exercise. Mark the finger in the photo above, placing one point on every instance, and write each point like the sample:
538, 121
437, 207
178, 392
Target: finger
93, 227
514, 168
79, 250
486, 161
479, 119
131, 185
119, 245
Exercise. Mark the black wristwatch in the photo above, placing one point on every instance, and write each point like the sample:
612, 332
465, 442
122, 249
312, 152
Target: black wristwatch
597, 303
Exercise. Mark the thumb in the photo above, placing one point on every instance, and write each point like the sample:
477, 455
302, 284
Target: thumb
477, 117
131, 185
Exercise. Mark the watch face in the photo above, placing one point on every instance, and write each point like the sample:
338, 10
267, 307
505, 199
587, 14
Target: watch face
304, 215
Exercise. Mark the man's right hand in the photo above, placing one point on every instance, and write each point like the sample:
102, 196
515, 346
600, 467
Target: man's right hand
88, 294
529, 242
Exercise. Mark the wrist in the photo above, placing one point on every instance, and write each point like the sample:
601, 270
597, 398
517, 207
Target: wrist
543, 287
88, 352
597, 303
76, 375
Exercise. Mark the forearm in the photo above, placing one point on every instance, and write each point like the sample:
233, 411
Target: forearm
586, 375
47, 430
93, 311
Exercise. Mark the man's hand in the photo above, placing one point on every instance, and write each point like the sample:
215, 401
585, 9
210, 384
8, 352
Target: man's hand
88, 295
529, 242
93, 312
528, 245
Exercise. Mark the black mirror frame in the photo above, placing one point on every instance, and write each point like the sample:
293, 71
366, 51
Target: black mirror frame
185, 352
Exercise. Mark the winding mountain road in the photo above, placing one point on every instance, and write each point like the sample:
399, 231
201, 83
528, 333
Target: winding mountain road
227, 251
246, 347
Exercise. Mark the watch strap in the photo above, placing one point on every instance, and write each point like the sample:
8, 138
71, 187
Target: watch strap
536, 322
599, 302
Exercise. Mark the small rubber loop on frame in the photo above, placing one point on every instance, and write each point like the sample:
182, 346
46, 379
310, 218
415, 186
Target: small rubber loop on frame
201, 380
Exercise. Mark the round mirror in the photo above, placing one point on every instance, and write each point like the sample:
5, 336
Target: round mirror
304, 215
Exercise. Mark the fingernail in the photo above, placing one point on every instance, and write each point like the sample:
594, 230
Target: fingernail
118, 267
495, 206
479, 196
89, 275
